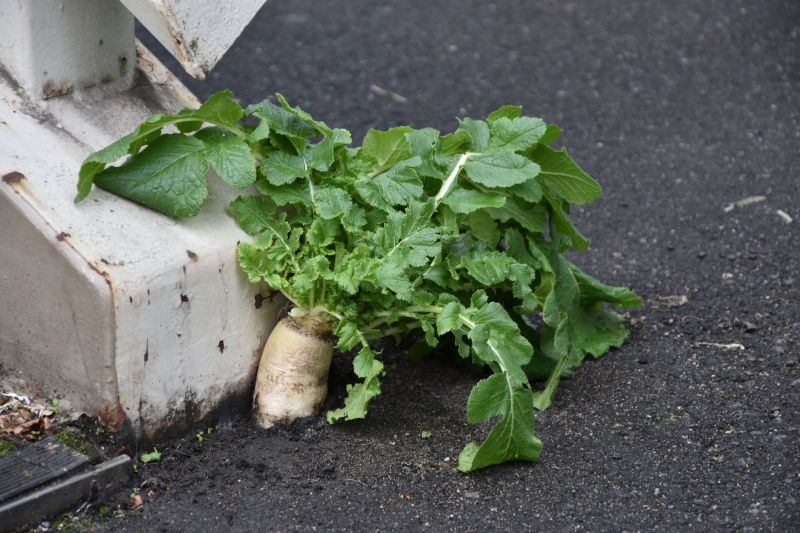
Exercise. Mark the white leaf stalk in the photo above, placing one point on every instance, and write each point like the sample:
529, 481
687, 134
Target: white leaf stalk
451, 179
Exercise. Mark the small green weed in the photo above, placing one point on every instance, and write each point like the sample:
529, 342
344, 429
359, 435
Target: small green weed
669, 419
6, 448
151, 457
203, 435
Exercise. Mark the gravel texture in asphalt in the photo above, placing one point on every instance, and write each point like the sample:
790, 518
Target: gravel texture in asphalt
679, 109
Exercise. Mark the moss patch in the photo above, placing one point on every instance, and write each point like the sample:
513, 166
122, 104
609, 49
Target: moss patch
6, 448
75, 439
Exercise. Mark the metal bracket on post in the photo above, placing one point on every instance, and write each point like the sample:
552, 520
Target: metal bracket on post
115, 309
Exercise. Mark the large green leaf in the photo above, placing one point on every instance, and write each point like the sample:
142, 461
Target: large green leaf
484, 227
506, 111
96, 162
496, 339
531, 217
320, 156
565, 226
409, 236
478, 132
422, 144
296, 193
391, 274
516, 134
280, 168
593, 291
282, 121
333, 202
489, 268
220, 109
229, 156
305, 117
530, 191
500, 169
560, 174
400, 185
144, 134
512, 439
487, 399
386, 148
469, 200
285, 127
254, 214
168, 176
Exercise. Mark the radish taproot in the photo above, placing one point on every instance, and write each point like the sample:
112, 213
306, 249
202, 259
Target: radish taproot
292, 379
413, 235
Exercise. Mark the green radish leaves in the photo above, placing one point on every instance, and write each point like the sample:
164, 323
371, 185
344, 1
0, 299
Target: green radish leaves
168, 176
229, 156
455, 237
500, 169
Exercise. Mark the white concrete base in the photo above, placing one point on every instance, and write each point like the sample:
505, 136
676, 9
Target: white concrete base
118, 310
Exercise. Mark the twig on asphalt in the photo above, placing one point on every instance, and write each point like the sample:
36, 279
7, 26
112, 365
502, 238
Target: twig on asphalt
731, 346
676, 300
744, 202
380, 91
784, 215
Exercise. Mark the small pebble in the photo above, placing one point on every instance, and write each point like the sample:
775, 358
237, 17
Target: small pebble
779, 346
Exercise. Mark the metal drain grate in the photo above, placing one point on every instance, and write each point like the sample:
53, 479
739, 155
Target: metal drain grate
35, 464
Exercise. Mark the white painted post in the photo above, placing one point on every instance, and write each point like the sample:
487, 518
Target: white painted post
115, 309
52, 47
197, 33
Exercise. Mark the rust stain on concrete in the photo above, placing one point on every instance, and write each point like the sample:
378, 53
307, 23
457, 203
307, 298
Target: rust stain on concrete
12, 178
113, 417
102, 272
52, 89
